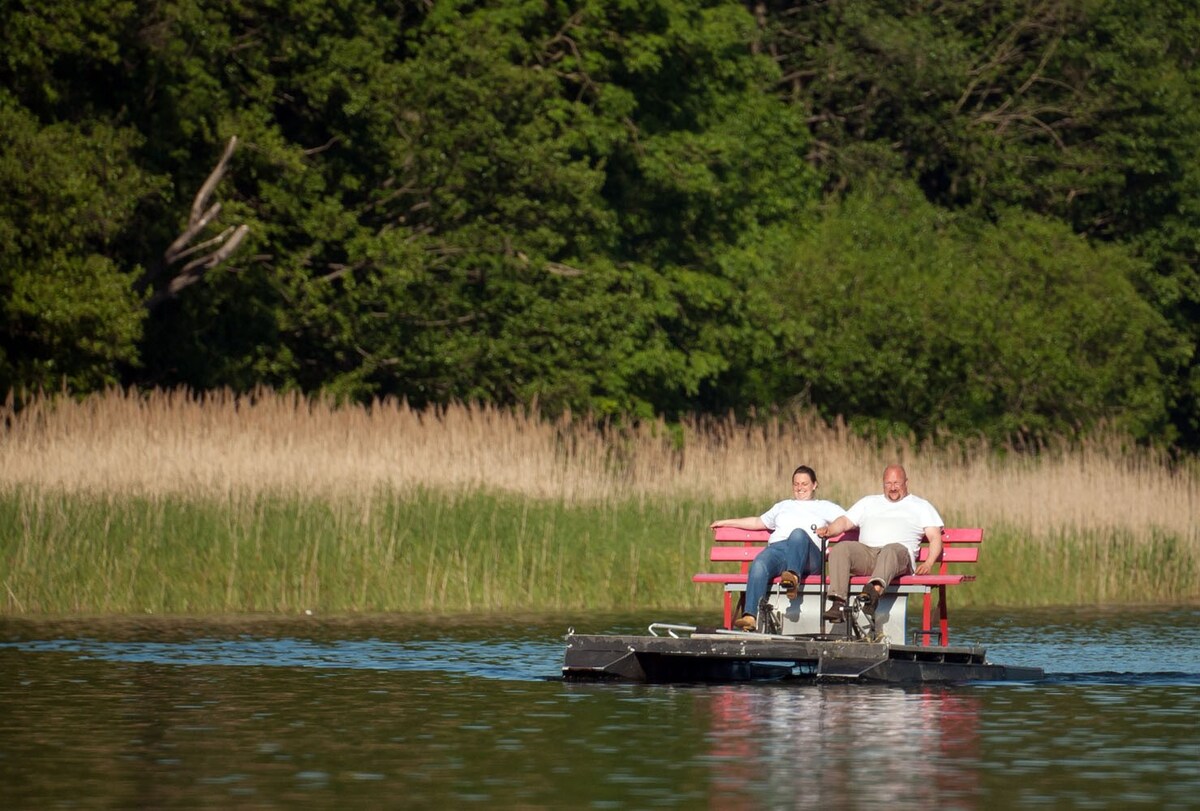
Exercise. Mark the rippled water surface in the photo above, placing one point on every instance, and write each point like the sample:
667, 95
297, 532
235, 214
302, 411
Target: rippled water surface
384, 712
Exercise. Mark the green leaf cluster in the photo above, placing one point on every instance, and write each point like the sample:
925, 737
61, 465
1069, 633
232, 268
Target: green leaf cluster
913, 320
69, 314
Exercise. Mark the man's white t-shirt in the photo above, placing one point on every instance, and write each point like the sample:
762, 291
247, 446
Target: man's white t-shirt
881, 522
793, 514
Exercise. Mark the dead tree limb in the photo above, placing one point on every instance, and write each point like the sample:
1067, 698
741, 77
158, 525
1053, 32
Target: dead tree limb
176, 248
220, 247
194, 270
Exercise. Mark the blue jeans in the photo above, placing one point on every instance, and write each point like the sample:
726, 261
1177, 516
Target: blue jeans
797, 553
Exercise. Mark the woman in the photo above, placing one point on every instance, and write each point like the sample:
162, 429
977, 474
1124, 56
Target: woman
792, 552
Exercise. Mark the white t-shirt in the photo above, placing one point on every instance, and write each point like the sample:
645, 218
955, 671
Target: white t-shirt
881, 522
795, 514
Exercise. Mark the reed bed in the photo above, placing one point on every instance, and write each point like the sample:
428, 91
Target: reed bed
425, 552
168, 501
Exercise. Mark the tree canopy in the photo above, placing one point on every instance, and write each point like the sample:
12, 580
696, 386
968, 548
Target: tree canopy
977, 217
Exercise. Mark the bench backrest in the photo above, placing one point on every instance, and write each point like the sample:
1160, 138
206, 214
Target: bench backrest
959, 545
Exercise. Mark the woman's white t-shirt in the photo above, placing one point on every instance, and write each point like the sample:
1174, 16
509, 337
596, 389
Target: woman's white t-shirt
793, 514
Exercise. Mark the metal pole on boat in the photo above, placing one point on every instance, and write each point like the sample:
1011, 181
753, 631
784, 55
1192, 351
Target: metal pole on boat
824, 577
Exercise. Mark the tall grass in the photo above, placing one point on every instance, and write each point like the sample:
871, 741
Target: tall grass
424, 552
171, 502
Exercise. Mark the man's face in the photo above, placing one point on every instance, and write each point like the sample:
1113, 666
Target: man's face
895, 485
803, 487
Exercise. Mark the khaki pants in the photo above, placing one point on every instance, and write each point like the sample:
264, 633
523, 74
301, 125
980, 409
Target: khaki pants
882, 563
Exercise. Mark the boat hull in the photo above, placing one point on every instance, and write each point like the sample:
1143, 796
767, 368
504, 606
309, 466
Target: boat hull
735, 657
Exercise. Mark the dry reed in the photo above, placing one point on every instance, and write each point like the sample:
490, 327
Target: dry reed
122, 445
173, 442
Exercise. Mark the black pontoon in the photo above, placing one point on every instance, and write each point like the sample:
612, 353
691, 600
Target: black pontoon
684, 653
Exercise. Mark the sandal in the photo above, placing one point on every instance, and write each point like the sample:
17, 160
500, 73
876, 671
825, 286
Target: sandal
746, 622
789, 581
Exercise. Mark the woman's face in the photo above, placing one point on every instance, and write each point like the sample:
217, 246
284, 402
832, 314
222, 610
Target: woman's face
803, 487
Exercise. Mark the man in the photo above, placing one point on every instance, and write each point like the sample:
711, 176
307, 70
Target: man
890, 529
791, 554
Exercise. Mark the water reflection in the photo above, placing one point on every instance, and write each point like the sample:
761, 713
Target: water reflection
384, 713
140, 734
844, 746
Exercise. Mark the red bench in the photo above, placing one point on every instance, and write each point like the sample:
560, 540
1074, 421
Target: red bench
959, 546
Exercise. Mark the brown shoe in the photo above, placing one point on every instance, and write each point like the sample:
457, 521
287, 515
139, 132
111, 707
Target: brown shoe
789, 581
870, 599
834, 612
746, 622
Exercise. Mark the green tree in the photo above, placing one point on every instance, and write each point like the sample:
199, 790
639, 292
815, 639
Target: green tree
902, 317
504, 202
613, 205
1084, 111
69, 314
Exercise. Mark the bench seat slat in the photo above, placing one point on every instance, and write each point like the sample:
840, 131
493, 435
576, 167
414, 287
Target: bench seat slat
740, 554
949, 535
856, 580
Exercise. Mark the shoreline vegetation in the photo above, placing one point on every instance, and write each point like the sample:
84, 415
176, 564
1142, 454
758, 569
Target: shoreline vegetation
169, 502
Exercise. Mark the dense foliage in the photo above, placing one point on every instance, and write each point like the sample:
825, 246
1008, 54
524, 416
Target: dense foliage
933, 217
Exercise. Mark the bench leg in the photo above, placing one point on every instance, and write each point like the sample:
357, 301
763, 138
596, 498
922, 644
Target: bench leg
728, 610
926, 618
942, 616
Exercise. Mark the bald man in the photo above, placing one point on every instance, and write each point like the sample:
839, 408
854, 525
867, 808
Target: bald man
891, 526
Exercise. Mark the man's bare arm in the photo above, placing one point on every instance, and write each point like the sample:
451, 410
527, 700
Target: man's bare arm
749, 522
934, 536
836, 527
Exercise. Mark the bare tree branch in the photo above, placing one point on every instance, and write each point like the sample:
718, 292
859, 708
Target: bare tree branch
176, 251
219, 248
316, 150
217, 240
559, 269
214, 177
216, 257
194, 270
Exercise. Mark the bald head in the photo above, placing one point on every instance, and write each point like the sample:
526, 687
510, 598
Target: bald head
895, 482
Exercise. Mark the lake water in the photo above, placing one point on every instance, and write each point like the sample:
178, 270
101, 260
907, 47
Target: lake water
385, 712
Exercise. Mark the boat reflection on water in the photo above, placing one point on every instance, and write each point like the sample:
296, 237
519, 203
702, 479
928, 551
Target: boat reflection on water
686, 653
843, 746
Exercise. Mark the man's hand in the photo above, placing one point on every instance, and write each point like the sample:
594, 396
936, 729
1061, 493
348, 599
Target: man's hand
835, 527
934, 536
